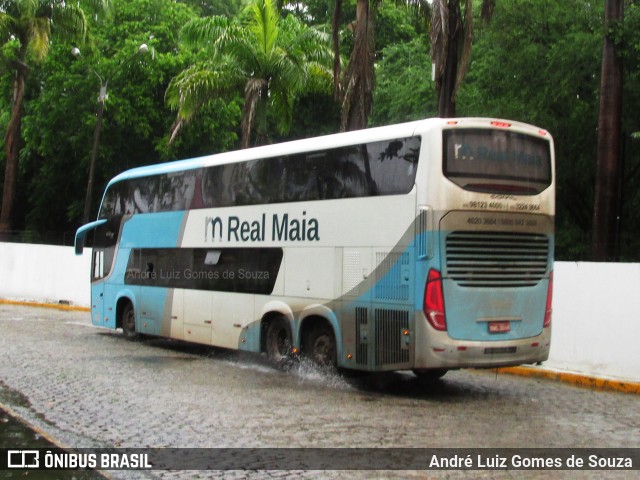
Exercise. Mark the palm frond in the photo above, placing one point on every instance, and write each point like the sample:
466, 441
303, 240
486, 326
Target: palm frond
6, 23
196, 85
421, 8
39, 36
95, 6
24, 8
206, 31
70, 21
282, 105
263, 23
319, 78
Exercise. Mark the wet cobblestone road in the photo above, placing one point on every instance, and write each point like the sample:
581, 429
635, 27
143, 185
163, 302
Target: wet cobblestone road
89, 387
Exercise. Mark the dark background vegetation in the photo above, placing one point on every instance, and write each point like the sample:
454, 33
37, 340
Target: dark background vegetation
536, 61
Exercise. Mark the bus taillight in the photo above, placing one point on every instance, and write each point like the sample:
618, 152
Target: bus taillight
548, 309
433, 306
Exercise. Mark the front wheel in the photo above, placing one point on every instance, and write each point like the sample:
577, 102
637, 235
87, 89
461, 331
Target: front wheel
320, 346
129, 322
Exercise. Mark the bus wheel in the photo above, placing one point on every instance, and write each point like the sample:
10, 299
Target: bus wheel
320, 345
129, 322
430, 375
277, 342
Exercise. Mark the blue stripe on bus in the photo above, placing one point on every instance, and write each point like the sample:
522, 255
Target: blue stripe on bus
153, 231
464, 306
150, 303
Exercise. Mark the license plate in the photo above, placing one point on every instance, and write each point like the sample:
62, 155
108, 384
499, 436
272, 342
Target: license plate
499, 327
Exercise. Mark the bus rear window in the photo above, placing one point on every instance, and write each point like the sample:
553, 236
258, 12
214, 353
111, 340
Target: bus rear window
497, 161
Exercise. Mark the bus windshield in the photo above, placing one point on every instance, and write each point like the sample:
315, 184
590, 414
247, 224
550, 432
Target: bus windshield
497, 161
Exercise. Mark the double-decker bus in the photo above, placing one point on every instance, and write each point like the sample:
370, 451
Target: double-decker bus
424, 246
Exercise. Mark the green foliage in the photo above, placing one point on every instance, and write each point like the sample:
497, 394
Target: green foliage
394, 26
26, 32
60, 121
268, 59
404, 90
537, 61
9, 53
26, 27
207, 8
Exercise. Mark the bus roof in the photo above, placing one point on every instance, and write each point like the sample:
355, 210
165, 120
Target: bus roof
316, 143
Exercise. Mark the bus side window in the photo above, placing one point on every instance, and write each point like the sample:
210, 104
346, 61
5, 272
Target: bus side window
98, 264
103, 240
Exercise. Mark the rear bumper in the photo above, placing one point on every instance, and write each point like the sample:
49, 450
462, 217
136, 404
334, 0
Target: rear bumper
436, 349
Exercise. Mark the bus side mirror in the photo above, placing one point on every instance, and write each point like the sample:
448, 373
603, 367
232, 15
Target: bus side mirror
82, 233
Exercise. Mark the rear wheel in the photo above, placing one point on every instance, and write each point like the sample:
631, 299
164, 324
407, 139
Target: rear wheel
320, 345
129, 322
277, 343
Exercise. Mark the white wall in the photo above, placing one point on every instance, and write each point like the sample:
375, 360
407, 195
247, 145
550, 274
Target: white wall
596, 306
596, 319
44, 273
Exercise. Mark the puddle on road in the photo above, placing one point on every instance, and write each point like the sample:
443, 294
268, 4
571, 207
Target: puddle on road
16, 435
398, 383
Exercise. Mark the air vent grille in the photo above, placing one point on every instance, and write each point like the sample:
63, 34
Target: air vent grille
496, 259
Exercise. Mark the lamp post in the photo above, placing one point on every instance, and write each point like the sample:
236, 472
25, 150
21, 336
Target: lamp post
102, 97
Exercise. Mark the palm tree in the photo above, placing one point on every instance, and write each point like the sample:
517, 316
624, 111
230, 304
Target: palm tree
451, 32
451, 35
354, 89
26, 29
272, 60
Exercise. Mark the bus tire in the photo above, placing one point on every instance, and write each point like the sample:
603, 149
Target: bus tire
430, 375
319, 345
277, 339
129, 322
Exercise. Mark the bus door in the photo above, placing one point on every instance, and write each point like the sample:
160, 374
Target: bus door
104, 241
151, 270
151, 309
97, 286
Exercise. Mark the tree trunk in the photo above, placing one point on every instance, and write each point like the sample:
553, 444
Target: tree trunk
446, 100
357, 92
606, 208
335, 40
94, 156
12, 145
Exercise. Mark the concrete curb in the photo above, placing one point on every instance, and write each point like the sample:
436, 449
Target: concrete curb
44, 435
57, 306
578, 379
19, 418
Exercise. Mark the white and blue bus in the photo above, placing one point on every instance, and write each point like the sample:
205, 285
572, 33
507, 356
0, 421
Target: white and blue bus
425, 246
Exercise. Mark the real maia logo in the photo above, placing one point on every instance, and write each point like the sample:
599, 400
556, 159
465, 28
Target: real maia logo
280, 227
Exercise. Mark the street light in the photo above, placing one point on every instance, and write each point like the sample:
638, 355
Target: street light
102, 97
